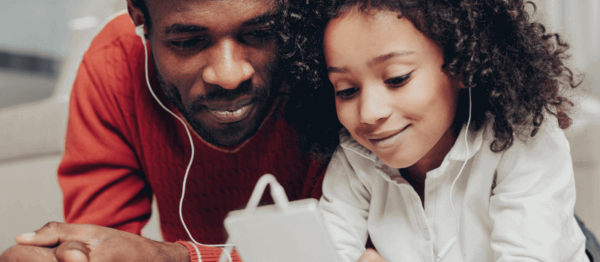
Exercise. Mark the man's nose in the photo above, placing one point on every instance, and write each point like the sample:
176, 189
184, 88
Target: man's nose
228, 67
375, 105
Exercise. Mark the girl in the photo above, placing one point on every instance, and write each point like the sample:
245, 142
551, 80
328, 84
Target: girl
451, 147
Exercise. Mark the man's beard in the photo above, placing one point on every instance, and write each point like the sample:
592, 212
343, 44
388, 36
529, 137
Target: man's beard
263, 95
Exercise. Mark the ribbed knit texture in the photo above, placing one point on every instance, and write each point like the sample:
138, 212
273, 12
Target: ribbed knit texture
122, 147
208, 254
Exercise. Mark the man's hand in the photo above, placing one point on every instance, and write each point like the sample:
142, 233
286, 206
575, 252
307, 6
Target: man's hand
369, 256
89, 243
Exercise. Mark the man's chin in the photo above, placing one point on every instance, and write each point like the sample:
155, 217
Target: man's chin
216, 131
226, 137
226, 134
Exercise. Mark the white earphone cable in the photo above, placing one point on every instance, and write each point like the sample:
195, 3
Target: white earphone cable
140, 31
450, 244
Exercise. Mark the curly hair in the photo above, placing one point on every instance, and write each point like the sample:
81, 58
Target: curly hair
515, 69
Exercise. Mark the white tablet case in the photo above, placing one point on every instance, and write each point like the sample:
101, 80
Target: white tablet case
287, 231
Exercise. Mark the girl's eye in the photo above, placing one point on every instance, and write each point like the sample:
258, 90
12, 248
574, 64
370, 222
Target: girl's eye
346, 93
398, 81
188, 44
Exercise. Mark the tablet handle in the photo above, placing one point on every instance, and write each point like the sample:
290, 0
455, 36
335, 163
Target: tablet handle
277, 193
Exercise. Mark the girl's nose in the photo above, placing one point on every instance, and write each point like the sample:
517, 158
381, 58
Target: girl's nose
374, 105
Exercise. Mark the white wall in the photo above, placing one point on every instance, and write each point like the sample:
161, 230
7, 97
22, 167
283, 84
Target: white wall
37, 26
579, 22
32, 135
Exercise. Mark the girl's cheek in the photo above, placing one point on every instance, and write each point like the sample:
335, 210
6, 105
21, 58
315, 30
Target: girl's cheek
344, 113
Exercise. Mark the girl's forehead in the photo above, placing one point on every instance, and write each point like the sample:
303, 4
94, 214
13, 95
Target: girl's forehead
360, 35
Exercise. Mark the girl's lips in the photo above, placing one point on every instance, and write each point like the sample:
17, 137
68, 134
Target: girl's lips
386, 140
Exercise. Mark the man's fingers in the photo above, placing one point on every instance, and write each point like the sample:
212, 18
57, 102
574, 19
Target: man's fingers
72, 252
27, 254
55, 233
48, 235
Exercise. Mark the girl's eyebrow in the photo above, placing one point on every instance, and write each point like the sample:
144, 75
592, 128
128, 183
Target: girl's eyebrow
382, 58
375, 61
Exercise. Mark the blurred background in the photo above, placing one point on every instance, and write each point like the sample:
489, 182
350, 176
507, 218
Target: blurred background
41, 45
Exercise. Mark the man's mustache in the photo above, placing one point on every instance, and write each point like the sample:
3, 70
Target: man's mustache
218, 93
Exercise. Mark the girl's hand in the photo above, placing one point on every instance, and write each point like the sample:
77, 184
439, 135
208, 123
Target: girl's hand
371, 256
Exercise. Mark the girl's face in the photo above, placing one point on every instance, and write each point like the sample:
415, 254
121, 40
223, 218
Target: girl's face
391, 93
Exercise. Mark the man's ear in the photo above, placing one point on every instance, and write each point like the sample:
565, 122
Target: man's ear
136, 14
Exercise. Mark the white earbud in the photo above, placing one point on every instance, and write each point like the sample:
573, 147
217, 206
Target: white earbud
445, 250
139, 30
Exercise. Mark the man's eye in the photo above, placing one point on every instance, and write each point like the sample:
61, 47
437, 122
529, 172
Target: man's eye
346, 93
188, 44
398, 81
259, 36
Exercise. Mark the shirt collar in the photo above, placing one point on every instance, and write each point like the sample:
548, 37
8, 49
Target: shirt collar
388, 173
348, 142
458, 152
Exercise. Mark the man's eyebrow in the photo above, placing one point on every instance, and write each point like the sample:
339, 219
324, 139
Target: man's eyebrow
382, 58
261, 19
182, 29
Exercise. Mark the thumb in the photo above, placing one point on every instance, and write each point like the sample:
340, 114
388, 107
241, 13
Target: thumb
52, 234
72, 252
23, 239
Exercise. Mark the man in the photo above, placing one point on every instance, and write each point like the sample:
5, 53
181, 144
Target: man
213, 62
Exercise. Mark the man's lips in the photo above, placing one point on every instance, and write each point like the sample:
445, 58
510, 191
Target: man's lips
386, 139
230, 111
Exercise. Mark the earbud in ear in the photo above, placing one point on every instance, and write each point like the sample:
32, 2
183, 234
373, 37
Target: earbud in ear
139, 30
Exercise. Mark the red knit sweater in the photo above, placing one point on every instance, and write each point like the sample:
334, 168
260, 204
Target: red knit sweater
122, 147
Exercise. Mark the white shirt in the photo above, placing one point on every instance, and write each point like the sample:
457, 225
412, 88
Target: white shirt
526, 216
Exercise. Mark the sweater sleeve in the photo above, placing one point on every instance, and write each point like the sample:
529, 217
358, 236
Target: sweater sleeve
100, 175
532, 204
199, 253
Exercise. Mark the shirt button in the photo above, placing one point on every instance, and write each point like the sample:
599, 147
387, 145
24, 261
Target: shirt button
426, 233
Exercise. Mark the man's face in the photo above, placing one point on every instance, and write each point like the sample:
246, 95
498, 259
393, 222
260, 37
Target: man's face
214, 60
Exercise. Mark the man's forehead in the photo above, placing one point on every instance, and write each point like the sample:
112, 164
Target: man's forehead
209, 13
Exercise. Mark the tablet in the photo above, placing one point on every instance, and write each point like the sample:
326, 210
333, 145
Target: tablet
296, 233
